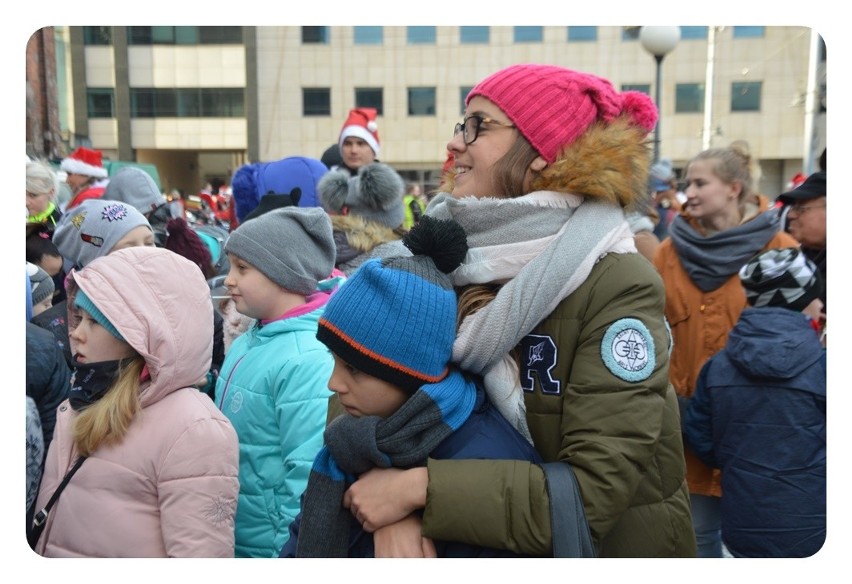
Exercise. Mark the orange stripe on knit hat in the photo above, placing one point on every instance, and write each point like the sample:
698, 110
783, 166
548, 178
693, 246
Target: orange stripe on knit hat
381, 358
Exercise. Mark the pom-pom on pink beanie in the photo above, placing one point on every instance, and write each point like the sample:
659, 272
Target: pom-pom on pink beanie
553, 106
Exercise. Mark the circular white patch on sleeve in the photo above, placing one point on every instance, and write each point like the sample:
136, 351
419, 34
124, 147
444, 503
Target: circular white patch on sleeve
627, 350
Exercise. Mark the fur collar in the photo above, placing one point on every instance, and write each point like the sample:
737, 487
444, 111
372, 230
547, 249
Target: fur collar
361, 234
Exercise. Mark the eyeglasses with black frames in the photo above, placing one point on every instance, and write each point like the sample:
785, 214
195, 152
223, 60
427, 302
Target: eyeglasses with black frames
470, 126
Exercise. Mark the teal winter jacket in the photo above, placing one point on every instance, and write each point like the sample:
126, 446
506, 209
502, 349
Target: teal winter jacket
273, 387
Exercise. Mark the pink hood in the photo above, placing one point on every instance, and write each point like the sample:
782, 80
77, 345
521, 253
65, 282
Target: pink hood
170, 326
169, 487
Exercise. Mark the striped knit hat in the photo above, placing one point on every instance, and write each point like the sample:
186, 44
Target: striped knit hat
553, 106
42, 284
395, 318
781, 277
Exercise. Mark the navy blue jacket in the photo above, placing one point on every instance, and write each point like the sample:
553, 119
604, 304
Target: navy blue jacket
48, 377
485, 435
758, 414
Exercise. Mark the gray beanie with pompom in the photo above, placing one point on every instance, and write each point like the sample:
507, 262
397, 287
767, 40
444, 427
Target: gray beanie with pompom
375, 194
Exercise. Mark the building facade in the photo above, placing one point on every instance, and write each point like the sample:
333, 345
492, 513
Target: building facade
200, 101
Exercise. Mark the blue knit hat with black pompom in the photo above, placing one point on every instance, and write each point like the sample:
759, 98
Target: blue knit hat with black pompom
395, 318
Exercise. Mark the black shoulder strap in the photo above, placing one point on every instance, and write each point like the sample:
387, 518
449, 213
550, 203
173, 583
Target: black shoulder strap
40, 517
568, 526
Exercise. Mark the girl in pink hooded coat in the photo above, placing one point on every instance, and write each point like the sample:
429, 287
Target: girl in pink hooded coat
160, 477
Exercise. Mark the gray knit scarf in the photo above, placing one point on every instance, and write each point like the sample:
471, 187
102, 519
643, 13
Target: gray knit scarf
542, 246
710, 261
355, 445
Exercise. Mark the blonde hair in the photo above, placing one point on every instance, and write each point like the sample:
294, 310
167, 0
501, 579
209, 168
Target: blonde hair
41, 180
107, 420
732, 164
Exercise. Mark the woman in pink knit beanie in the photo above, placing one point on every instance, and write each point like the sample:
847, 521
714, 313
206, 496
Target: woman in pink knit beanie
564, 321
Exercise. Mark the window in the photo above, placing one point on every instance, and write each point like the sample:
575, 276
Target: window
368, 35
689, 98
693, 32
188, 104
100, 102
142, 103
630, 33
529, 34
316, 101
369, 97
315, 35
582, 33
464, 92
643, 87
97, 35
165, 103
184, 35
474, 34
193, 102
219, 35
421, 35
421, 101
745, 96
222, 103
139, 35
748, 32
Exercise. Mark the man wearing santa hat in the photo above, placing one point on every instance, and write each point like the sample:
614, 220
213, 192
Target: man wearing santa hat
85, 170
359, 139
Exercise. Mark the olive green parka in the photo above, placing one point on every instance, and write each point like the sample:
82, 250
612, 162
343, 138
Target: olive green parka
621, 437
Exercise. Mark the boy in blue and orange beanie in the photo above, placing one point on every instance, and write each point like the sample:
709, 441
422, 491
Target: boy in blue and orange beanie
391, 329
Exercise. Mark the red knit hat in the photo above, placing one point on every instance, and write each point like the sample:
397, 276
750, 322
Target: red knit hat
361, 123
553, 106
85, 161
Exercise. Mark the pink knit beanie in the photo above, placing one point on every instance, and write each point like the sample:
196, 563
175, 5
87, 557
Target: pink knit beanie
553, 106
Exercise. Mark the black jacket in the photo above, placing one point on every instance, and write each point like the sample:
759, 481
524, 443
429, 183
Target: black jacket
48, 377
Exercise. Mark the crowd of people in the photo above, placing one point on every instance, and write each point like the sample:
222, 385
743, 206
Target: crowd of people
564, 351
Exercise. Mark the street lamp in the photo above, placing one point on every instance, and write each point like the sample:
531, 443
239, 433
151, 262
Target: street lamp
659, 41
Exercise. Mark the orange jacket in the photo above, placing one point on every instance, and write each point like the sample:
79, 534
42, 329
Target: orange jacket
700, 323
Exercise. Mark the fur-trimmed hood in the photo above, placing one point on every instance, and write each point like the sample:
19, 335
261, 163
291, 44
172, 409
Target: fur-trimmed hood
375, 193
609, 161
361, 234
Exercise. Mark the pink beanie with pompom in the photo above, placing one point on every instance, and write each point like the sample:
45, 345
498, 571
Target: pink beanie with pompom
553, 106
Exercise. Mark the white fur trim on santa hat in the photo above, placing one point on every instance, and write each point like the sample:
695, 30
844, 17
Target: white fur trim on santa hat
363, 133
75, 166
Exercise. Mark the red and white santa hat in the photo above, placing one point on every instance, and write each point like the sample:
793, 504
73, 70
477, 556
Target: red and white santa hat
361, 123
85, 161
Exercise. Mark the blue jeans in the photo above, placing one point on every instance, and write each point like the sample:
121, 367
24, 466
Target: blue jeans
707, 523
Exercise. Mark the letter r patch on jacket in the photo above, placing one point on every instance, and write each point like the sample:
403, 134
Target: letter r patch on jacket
538, 358
627, 350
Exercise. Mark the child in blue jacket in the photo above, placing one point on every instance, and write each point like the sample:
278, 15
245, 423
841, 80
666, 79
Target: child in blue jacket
391, 329
273, 382
758, 412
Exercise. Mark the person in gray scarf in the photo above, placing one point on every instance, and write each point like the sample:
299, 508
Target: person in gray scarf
562, 318
724, 223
